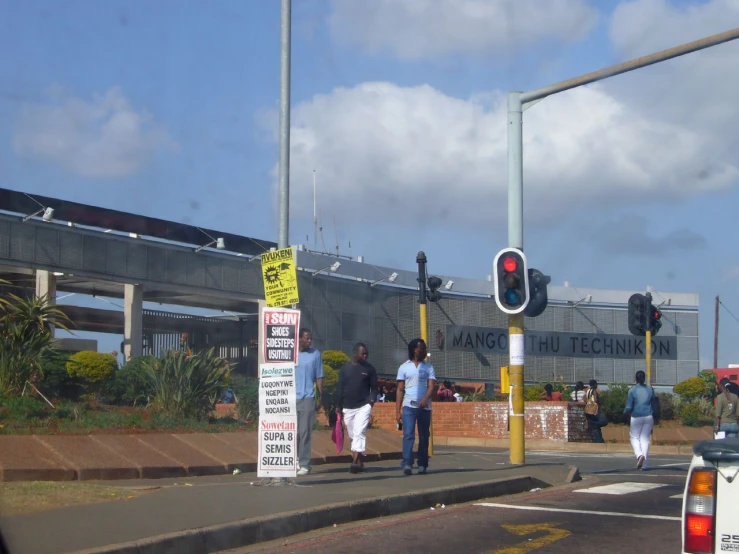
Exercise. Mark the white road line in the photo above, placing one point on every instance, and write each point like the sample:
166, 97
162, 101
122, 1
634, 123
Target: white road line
680, 496
621, 488
617, 473
586, 512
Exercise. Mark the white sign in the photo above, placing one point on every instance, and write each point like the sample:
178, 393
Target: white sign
277, 390
278, 421
277, 447
517, 350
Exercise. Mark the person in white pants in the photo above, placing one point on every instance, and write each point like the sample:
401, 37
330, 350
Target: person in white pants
356, 394
639, 407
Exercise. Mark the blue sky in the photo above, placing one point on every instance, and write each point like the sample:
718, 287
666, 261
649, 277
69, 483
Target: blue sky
168, 109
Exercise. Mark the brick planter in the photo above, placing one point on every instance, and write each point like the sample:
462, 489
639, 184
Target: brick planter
556, 421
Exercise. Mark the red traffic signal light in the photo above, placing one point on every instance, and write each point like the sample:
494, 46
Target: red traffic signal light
511, 281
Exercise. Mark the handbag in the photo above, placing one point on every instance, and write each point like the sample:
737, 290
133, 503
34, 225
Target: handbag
591, 406
337, 435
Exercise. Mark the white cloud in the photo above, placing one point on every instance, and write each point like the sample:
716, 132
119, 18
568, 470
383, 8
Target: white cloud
387, 151
104, 137
425, 29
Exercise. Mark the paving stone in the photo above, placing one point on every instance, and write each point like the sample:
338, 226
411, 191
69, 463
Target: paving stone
89, 458
149, 463
23, 458
193, 460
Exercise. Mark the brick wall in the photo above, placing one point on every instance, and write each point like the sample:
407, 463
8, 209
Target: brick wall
558, 421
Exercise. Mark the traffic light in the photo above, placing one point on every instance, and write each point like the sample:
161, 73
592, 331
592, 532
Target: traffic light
434, 283
639, 308
511, 280
538, 298
655, 320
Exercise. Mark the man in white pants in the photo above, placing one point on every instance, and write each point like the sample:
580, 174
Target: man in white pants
356, 393
639, 407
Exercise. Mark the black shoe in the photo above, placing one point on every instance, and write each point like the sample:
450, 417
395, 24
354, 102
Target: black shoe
354, 468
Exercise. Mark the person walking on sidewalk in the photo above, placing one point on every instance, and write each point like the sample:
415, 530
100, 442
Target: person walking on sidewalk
308, 381
726, 410
356, 394
639, 407
416, 384
596, 420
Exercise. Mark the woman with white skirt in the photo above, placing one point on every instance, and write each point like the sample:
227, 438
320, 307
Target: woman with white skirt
639, 407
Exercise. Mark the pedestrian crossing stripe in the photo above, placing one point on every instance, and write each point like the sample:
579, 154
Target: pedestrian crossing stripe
622, 488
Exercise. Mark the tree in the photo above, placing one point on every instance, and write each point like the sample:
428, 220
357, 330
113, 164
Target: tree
26, 340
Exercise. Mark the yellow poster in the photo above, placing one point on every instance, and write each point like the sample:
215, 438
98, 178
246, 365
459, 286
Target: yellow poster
280, 278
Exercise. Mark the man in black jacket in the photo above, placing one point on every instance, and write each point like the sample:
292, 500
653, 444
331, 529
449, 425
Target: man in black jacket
356, 393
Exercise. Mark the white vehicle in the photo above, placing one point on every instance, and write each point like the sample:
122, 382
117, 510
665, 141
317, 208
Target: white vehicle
711, 500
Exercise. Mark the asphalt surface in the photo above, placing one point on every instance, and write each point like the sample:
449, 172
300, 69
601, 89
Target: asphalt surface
638, 512
176, 505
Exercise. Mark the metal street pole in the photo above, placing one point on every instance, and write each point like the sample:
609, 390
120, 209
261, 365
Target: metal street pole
518, 102
424, 322
284, 164
648, 340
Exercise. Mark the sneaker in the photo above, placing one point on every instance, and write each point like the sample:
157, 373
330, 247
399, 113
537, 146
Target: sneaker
303, 471
639, 462
422, 470
407, 470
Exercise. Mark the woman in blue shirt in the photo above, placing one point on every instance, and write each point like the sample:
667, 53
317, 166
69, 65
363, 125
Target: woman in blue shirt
639, 407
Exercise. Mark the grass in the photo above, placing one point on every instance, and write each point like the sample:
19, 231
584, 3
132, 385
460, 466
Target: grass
35, 496
28, 415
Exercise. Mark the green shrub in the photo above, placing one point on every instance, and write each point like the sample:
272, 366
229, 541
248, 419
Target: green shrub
667, 406
247, 399
334, 359
690, 389
187, 385
690, 414
129, 387
92, 367
532, 393
23, 408
613, 402
710, 383
56, 381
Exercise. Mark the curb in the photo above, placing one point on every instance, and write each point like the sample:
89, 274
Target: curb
252, 531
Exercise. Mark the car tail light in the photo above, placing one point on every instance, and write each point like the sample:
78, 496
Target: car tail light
700, 509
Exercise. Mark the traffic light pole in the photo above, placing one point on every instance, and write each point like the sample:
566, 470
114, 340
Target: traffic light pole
424, 323
515, 374
648, 339
518, 102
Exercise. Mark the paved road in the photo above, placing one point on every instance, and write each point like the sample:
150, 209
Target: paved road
615, 507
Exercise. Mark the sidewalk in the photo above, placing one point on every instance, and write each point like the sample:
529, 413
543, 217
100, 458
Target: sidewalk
215, 513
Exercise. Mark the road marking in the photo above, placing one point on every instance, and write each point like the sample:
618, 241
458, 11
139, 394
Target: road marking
553, 535
622, 488
586, 512
680, 496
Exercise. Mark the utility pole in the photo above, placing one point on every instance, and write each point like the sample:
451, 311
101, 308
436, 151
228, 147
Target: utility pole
284, 164
518, 102
715, 335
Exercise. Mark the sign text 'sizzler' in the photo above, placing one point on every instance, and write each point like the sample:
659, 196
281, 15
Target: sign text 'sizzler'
554, 343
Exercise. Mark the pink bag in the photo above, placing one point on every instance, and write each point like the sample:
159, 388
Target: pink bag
338, 434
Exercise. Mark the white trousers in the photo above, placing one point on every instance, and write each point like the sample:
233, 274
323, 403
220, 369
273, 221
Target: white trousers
357, 421
640, 432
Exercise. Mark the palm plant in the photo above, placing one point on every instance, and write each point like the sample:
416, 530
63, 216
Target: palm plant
185, 385
26, 339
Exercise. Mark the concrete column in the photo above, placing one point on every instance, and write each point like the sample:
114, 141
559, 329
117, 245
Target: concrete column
133, 313
46, 286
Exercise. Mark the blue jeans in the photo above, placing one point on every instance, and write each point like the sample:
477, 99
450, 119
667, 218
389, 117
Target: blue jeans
731, 429
411, 418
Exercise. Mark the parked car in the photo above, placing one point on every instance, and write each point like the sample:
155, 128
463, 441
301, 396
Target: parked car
710, 519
